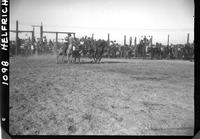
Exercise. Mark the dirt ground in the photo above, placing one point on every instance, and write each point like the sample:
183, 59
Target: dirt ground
116, 97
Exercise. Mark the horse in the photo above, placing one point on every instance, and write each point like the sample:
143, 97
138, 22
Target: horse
62, 51
96, 52
76, 52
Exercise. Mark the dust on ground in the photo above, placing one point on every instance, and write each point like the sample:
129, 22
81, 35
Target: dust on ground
116, 97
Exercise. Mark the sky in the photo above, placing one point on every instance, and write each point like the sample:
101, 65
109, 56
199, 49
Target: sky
133, 18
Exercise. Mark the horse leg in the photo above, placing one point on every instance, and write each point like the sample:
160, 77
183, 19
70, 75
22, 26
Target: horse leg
79, 60
100, 59
68, 58
94, 59
63, 58
74, 59
57, 59
71, 58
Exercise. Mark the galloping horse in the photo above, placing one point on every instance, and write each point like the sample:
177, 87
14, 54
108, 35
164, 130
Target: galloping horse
95, 50
86, 47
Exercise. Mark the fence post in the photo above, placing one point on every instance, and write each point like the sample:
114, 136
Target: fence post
188, 36
92, 39
135, 44
92, 36
168, 40
41, 33
56, 39
144, 47
130, 41
17, 38
108, 39
124, 46
151, 40
33, 32
124, 40
74, 36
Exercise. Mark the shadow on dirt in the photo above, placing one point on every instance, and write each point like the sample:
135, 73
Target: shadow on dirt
105, 62
112, 62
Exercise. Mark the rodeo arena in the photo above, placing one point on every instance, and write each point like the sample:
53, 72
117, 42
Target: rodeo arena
86, 86
96, 49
